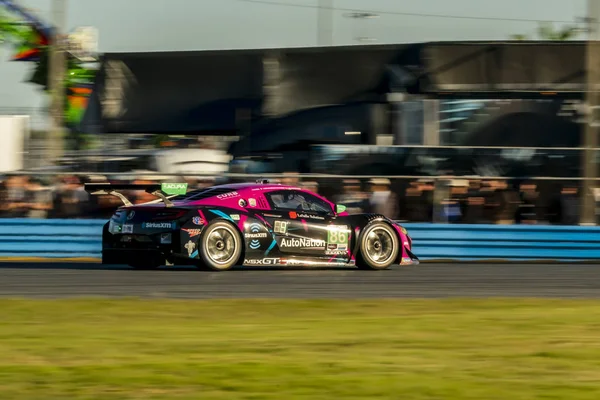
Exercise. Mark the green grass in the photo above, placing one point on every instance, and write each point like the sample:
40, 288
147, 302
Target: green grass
285, 350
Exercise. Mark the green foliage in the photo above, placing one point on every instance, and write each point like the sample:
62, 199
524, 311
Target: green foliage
546, 31
23, 37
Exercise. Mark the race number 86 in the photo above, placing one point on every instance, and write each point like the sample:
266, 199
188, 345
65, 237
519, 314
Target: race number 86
337, 237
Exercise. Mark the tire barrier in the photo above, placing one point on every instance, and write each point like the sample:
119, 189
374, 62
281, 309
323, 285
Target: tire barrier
82, 238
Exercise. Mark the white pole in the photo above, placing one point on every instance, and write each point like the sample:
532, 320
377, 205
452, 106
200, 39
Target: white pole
590, 169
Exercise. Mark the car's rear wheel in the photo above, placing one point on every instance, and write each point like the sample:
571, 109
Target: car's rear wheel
220, 246
379, 247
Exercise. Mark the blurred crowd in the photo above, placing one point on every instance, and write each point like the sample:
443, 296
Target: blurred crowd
470, 201
444, 200
426, 200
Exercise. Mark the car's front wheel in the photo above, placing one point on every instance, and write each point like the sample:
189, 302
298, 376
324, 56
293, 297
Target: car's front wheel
220, 246
379, 247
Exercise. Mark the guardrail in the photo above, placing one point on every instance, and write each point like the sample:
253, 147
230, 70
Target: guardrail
505, 242
55, 238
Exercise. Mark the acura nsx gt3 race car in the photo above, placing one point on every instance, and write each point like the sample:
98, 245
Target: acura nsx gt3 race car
250, 224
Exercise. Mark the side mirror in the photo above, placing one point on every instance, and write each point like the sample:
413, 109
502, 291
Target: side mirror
339, 208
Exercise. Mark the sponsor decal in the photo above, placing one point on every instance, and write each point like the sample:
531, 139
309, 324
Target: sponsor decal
292, 261
127, 228
293, 214
299, 243
198, 221
192, 232
272, 215
174, 188
255, 234
190, 246
165, 238
159, 225
130, 215
338, 235
262, 261
229, 195
336, 252
252, 202
280, 227
235, 217
336, 249
242, 203
309, 216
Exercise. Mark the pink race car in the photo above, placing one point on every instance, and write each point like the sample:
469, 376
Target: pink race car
250, 224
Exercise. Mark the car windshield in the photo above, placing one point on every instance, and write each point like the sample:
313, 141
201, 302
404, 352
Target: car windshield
299, 202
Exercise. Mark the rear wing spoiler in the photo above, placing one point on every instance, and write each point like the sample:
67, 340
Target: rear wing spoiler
161, 190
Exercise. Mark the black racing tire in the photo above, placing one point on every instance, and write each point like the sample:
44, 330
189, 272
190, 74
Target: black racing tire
220, 246
378, 248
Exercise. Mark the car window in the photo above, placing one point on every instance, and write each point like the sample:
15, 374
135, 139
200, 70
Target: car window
291, 200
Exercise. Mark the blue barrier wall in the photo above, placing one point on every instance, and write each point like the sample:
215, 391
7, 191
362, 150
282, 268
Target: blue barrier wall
51, 238
82, 238
509, 242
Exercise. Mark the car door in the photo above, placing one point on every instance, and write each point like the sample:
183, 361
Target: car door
301, 224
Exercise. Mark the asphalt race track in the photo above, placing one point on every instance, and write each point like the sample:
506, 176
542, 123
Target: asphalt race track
39, 280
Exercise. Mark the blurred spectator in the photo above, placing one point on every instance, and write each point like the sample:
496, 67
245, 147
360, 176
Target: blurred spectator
564, 208
312, 186
40, 199
528, 210
352, 197
291, 178
506, 202
475, 202
205, 182
102, 206
383, 200
417, 202
141, 196
70, 198
426, 186
16, 201
454, 204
